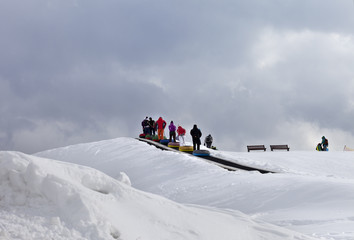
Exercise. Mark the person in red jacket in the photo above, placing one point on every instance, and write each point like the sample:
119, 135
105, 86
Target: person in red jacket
181, 132
161, 124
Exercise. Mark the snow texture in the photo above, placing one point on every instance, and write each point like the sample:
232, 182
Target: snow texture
126, 189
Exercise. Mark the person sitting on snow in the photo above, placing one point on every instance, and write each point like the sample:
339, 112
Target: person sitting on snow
324, 143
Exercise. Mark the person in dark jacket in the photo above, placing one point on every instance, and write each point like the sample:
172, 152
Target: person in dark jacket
152, 126
196, 135
145, 125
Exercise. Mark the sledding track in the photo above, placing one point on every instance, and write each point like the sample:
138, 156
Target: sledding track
231, 166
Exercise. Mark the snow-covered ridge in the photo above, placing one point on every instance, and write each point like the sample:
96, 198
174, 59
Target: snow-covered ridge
48, 199
313, 194
41, 198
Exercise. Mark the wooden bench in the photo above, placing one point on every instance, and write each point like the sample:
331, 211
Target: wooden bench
256, 147
280, 147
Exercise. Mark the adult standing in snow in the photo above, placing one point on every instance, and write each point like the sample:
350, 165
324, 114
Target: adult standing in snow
152, 126
196, 135
172, 129
181, 132
161, 124
208, 141
145, 125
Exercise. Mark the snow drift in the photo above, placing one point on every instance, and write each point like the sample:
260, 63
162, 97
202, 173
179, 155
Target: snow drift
312, 192
47, 199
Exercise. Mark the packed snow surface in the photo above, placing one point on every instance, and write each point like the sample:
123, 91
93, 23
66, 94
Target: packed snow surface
126, 189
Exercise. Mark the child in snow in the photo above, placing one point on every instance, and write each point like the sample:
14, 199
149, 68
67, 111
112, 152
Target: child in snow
181, 132
208, 141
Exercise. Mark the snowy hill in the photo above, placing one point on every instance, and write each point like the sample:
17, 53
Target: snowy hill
47, 199
86, 195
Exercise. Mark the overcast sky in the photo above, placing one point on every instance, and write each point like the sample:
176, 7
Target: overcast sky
247, 72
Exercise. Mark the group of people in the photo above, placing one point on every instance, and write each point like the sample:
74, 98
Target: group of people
323, 146
150, 127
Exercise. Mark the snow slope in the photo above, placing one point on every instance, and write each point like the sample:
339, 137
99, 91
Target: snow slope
48, 199
312, 194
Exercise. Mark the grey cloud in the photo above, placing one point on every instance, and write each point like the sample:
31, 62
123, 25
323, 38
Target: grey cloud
89, 70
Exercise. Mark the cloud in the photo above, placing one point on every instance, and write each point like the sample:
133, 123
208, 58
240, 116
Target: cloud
78, 71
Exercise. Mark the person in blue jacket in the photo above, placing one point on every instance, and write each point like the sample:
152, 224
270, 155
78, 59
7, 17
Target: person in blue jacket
324, 144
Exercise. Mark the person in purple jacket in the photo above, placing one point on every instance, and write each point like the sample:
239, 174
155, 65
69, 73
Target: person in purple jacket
172, 129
